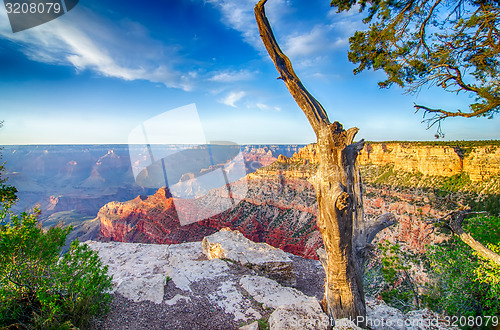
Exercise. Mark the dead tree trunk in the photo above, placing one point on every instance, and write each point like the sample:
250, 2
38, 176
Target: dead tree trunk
338, 190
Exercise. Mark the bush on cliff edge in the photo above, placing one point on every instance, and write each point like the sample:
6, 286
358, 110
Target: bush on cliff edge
38, 288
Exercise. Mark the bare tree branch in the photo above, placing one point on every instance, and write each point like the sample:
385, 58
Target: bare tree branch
454, 222
314, 111
382, 222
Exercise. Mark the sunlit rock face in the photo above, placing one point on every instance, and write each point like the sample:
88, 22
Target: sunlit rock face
281, 213
260, 257
483, 163
479, 162
280, 207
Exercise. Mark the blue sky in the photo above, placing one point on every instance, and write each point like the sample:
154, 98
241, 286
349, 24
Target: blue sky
105, 67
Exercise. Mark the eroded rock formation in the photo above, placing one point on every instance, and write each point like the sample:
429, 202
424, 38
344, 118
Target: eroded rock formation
480, 162
280, 206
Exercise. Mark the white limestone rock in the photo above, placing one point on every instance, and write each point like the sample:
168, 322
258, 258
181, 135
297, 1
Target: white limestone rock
298, 316
138, 269
261, 257
345, 324
251, 326
293, 309
382, 317
270, 293
230, 299
185, 273
176, 299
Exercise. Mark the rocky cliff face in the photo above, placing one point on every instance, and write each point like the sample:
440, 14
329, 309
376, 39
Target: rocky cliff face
428, 160
145, 219
482, 163
226, 282
479, 162
277, 211
280, 206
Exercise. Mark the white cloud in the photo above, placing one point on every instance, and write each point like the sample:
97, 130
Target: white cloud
86, 42
239, 15
231, 76
321, 39
330, 34
263, 106
232, 98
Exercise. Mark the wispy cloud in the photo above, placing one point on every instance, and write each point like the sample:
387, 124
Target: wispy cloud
231, 76
87, 42
263, 106
239, 15
232, 98
305, 40
321, 39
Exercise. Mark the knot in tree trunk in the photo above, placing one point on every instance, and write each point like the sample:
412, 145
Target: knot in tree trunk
343, 201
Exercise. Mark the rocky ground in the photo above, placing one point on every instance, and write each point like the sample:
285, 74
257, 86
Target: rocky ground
226, 282
197, 312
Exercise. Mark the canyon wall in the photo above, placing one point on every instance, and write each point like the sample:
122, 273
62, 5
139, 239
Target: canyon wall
280, 206
480, 162
278, 211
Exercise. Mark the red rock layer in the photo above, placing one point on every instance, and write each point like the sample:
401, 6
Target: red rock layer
284, 224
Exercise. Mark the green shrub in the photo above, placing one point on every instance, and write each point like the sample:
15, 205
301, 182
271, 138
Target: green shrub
465, 284
41, 290
400, 289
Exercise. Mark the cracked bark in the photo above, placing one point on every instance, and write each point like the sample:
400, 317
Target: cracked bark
346, 236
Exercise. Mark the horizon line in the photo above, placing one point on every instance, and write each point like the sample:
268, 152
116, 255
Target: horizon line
243, 144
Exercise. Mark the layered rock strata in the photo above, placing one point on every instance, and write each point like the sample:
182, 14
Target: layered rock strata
280, 205
480, 162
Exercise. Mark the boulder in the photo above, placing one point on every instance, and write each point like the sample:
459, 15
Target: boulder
293, 309
345, 324
380, 316
264, 259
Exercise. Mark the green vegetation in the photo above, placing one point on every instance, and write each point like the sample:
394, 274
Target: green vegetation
39, 288
401, 290
480, 196
459, 182
419, 43
487, 203
263, 324
464, 144
465, 284
460, 282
